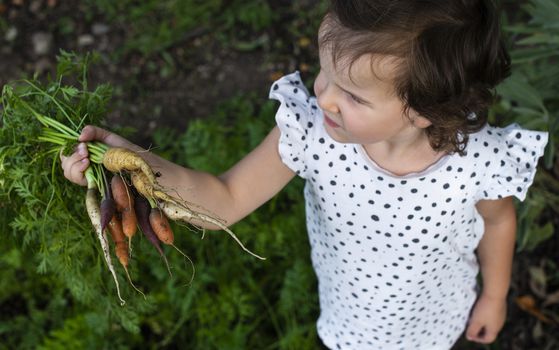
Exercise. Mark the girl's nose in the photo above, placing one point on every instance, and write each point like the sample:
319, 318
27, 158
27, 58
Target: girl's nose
326, 99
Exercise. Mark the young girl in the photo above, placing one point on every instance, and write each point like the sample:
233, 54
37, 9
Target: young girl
407, 188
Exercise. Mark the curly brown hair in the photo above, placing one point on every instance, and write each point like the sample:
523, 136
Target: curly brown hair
452, 57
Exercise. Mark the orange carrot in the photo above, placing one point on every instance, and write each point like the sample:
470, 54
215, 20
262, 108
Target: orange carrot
129, 222
142, 207
115, 229
125, 205
160, 225
121, 194
121, 252
121, 247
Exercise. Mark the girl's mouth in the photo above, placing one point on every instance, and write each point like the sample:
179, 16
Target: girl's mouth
330, 122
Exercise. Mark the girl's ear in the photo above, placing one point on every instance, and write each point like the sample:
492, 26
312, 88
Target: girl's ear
417, 120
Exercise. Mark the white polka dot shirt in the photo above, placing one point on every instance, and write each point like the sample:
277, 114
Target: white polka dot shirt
394, 255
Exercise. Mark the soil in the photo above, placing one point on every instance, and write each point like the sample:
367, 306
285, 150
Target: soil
151, 91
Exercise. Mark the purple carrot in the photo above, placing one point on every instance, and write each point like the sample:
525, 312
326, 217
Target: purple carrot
108, 205
142, 208
108, 209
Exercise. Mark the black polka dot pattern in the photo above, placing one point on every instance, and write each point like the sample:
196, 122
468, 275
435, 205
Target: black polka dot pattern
511, 156
299, 116
394, 255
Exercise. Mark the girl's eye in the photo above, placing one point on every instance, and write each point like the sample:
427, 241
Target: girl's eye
355, 98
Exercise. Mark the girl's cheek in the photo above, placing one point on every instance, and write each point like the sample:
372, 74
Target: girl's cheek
318, 84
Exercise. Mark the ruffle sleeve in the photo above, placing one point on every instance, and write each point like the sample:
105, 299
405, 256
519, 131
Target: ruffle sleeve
515, 164
294, 118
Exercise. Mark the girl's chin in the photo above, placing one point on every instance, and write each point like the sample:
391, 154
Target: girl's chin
335, 135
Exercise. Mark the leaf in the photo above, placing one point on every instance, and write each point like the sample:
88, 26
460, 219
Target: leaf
531, 54
545, 13
527, 303
538, 281
517, 89
69, 92
551, 299
549, 155
13, 258
539, 38
538, 234
537, 331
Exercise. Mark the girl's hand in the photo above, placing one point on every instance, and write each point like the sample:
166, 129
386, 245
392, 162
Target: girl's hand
93, 133
487, 319
75, 165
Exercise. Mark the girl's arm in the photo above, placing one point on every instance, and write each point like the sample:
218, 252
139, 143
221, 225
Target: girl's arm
495, 253
231, 196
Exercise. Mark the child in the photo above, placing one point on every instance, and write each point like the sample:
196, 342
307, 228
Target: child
405, 182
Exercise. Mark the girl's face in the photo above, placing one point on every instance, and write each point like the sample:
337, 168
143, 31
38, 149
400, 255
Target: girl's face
360, 105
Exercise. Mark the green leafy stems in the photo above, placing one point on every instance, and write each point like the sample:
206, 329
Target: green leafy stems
62, 135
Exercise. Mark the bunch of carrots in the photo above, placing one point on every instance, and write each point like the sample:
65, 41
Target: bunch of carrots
131, 197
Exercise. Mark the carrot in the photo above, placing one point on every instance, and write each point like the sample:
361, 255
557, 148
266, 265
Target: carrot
94, 212
148, 188
177, 212
124, 201
142, 207
108, 206
164, 233
129, 222
115, 229
161, 226
118, 159
108, 209
121, 194
143, 179
121, 247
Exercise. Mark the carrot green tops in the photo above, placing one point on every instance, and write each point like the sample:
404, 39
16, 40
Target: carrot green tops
394, 255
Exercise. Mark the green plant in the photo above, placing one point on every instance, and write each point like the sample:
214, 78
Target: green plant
529, 97
68, 291
283, 288
154, 26
50, 233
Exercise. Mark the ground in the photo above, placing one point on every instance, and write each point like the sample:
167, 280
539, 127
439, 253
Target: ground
154, 90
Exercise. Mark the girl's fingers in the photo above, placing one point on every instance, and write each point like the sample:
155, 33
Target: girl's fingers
94, 133
489, 336
74, 170
474, 331
75, 165
77, 172
479, 333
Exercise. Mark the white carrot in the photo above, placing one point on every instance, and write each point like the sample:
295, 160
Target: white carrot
178, 212
94, 212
